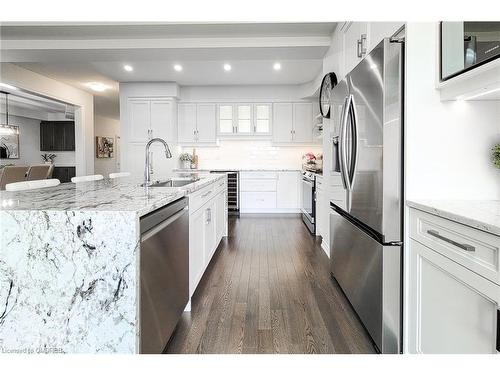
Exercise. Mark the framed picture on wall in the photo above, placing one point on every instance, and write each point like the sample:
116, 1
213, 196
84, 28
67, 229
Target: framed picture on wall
9, 142
105, 147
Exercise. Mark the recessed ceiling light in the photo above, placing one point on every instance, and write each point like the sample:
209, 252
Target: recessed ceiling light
7, 86
128, 68
277, 66
227, 67
178, 67
96, 86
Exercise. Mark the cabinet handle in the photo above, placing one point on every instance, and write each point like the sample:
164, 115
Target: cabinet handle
207, 193
462, 246
209, 215
361, 48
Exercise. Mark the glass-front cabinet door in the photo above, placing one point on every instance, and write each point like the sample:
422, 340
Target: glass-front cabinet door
244, 119
465, 45
262, 119
226, 125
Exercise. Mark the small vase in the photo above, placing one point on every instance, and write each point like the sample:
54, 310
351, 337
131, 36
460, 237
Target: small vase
186, 164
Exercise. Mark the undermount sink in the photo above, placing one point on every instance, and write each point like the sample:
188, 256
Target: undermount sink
172, 182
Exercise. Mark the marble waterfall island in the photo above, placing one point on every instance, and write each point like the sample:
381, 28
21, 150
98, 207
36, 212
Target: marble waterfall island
69, 275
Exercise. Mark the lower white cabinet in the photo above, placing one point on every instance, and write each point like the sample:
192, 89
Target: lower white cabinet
207, 226
270, 192
287, 190
452, 309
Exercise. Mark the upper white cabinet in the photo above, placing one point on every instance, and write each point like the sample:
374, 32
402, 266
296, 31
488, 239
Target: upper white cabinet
355, 43
206, 118
282, 122
303, 122
197, 123
244, 119
352, 41
150, 118
140, 120
262, 118
293, 122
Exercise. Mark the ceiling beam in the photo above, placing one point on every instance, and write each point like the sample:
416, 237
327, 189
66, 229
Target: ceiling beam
170, 43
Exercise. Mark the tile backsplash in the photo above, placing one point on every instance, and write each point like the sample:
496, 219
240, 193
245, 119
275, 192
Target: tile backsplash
251, 154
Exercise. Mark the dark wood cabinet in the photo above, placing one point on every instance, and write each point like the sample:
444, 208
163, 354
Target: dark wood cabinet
64, 174
57, 136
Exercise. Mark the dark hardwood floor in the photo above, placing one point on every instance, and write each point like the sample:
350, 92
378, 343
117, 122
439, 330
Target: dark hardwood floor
268, 290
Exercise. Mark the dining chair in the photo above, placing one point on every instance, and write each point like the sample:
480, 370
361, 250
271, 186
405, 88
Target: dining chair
119, 174
94, 177
12, 174
32, 185
38, 172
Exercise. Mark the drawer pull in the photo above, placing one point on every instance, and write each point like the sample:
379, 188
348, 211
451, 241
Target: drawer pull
207, 193
462, 246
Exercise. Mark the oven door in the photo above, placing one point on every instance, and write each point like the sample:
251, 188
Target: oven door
308, 199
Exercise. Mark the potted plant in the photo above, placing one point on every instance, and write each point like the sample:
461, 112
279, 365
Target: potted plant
186, 160
48, 158
495, 155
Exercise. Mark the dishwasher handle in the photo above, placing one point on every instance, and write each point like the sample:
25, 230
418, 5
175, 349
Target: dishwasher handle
150, 233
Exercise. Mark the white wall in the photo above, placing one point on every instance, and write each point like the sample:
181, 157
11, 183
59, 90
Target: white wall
447, 143
107, 127
251, 154
84, 111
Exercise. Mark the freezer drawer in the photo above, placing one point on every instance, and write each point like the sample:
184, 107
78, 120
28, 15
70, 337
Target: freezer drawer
369, 273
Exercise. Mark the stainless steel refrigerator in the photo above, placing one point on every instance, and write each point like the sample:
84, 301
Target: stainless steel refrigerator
367, 231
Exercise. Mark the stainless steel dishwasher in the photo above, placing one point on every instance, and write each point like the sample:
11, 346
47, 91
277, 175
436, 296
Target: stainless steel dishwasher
164, 273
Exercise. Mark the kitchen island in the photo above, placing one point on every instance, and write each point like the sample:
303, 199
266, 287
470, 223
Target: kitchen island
69, 271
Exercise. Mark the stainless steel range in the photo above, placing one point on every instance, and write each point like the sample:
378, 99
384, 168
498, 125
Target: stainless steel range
308, 204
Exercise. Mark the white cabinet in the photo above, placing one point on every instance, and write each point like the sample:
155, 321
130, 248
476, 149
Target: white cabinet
302, 122
196, 248
355, 43
293, 122
207, 226
209, 231
206, 118
140, 120
221, 212
452, 309
186, 122
271, 192
262, 118
197, 123
352, 41
454, 289
288, 186
161, 120
282, 122
322, 215
150, 118
244, 119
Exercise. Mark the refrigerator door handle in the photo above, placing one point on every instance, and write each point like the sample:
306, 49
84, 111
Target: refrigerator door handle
355, 141
342, 145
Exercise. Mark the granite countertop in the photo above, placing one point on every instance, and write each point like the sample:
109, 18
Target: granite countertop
241, 170
120, 194
481, 214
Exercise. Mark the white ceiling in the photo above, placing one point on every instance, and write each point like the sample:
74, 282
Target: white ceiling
81, 53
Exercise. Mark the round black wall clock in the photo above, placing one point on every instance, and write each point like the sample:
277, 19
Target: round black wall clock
328, 83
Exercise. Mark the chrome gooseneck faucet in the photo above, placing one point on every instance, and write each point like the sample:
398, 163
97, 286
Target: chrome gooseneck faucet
147, 171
